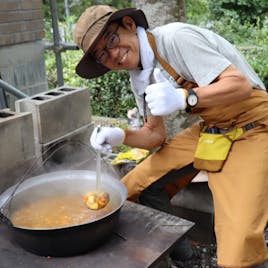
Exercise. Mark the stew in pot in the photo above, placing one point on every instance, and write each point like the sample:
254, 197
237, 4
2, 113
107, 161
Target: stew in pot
58, 211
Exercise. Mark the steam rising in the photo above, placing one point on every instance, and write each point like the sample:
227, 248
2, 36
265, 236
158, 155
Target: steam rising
60, 172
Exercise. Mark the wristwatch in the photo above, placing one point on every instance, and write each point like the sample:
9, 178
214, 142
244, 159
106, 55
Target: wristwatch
192, 98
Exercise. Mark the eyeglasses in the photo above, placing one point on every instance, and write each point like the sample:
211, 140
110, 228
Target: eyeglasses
112, 42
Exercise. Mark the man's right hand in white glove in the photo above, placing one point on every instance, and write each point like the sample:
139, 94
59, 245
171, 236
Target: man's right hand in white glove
162, 97
105, 138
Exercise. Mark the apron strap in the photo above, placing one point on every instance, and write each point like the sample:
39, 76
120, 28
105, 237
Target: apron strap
178, 78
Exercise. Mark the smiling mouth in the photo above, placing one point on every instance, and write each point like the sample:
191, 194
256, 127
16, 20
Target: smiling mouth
123, 58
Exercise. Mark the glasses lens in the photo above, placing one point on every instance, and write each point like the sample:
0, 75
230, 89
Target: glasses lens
101, 56
113, 41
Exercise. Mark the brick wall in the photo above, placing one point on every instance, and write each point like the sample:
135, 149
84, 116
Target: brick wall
20, 21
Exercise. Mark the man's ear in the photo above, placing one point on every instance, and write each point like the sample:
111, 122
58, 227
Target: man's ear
129, 23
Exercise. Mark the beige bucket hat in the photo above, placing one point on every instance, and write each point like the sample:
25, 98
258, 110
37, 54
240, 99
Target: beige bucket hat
90, 27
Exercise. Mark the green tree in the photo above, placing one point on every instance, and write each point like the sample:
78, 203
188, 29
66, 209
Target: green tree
197, 11
76, 7
241, 10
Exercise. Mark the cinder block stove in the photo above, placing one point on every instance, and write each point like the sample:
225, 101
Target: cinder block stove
61, 120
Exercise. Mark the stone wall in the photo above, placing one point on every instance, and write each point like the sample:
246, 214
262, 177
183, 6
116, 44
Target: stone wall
21, 49
20, 21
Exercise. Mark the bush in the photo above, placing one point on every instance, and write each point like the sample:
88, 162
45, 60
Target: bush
251, 40
243, 11
111, 95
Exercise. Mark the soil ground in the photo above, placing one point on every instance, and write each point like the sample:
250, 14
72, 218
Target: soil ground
205, 256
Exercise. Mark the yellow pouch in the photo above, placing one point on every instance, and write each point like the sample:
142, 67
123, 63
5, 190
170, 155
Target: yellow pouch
213, 149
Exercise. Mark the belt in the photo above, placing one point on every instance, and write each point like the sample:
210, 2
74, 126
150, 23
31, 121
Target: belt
217, 130
249, 126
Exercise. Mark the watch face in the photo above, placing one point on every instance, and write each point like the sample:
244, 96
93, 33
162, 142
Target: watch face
192, 100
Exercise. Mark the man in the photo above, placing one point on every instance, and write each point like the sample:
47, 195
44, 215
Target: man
225, 92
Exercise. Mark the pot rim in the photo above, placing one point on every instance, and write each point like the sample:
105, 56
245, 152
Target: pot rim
54, 176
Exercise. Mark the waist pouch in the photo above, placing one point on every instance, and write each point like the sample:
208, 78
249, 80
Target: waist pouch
213, 148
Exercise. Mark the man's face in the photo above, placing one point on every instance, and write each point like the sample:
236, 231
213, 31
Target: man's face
118, 48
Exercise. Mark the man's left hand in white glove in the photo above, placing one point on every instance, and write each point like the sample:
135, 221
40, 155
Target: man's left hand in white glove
162, 97
105, 138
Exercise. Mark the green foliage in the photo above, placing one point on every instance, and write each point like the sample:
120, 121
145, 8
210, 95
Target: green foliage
51, 70
240, 10
111, 95
258, 50
76, 7
197, 11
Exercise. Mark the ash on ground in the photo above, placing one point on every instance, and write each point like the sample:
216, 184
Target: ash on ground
205, 256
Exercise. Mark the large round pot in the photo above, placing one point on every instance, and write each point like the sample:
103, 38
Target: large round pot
70, 240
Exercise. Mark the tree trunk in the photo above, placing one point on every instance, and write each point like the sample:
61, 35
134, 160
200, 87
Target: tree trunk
162, 12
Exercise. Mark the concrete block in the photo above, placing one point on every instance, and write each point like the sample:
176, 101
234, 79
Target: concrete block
16, 141
57, 112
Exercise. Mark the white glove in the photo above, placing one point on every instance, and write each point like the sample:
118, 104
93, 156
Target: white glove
102, 140
162, 97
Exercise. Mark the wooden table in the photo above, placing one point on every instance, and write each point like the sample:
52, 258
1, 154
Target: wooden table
143, 238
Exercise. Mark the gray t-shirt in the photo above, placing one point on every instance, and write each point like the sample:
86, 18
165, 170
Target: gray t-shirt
197, 54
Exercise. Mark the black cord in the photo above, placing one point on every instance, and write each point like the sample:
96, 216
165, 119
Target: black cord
144, 108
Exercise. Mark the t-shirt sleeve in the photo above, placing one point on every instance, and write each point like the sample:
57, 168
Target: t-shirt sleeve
199, 58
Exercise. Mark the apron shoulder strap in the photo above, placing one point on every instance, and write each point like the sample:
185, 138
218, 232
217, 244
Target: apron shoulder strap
178, 78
